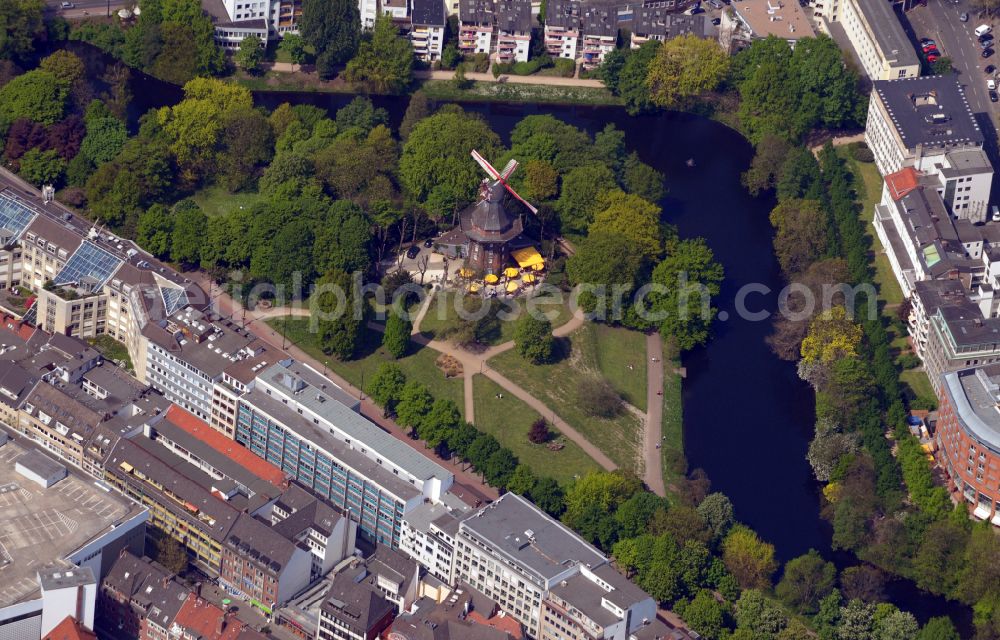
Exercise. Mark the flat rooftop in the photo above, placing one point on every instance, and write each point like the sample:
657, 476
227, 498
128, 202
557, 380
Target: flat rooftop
781, 18
530, 538
41, 527
889, 32
930, 110
975, 395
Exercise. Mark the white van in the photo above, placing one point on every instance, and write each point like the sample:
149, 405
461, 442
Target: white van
982, 30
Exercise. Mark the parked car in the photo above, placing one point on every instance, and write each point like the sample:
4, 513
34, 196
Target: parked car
994, 97
991, 84
990, 68
716, 21
963, 17
412, 252
996, 213
67, 5
429, 242
933, 57
986, 44
987, 53
982, 30
924, 41
715, 3
930, 44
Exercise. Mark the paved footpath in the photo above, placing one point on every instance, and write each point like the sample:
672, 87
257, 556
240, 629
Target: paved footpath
654, 415
554, 81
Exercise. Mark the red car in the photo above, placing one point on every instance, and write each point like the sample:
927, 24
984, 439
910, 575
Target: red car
929, 46
932, 57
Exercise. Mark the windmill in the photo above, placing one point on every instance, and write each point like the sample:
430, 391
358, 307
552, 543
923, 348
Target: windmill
501, 177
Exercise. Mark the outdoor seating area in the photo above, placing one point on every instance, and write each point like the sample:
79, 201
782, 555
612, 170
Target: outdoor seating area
511, 281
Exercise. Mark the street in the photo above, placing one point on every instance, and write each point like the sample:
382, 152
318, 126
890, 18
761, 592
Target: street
84, 8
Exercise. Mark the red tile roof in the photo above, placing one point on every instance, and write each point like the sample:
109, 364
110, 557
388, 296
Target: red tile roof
902, 182
240, 455
203, 619
70, 629
501, 623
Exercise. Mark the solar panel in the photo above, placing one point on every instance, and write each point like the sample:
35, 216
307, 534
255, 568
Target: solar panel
14, 215
89, 266
173, 299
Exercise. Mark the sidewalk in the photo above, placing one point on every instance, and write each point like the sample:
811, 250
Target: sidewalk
555, 81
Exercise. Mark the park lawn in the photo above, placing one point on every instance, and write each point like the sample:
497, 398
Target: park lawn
442, 314
616, 349
919, 384
418, 365
217, 201
508, 420
556, 385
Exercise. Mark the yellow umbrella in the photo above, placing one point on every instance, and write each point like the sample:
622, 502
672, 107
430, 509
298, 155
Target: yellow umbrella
511, 272
491, 278
528, 277
511, 286
538, 266
474, 287
465, 273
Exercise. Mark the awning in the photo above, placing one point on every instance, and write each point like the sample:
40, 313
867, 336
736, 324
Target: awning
527, 257
512, 286
539, 266
491, 278
126, 467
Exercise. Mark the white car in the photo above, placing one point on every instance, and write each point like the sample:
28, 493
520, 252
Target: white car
991, 84
982, 30
67, 5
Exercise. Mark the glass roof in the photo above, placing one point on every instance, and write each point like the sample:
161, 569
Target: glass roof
14, 215
173, 299
90, 266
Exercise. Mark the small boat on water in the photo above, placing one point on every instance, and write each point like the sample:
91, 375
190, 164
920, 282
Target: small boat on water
690, 162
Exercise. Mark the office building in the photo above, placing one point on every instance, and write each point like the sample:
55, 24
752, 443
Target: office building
876, 35
595, 604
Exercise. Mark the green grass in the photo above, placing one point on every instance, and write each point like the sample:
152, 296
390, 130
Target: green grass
556, 385
442, 314
617, 349
919, 384
217, 201
112, 350
508, 420
418, 365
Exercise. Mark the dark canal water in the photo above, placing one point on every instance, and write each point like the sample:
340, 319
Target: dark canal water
748, 418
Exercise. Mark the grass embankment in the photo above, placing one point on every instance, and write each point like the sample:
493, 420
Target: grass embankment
418, 365
621, 359
443, 313
508, 420
558, 385
672, 425
514, 92
868, 187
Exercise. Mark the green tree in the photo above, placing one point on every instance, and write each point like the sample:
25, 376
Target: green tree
171, 553
522, 481
748, 558
800, 234
685, 67
291, 256
250, 54
415, 402
632, 79
940, 628
578, 199
500, 467
384, 62
66, 66
632, 217
435, 167
706, 615
533, 338
386, 386
187, 234
23, 25
295, 46
765, 168
333, 315
807, 579
155, 230
548, 496
42, 167
332, 27
641, 179
606, 260
898, 625
717, 511
37, 95
602, 488
418, 108
396, 338
760, 616
438, 423
541, 180
689, 276
634, 514
857, 621
247, 144
104, 140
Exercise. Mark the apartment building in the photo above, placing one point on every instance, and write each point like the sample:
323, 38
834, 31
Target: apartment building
138, 598
428, 535
513, 27
876, 35
465, 614
659, 23
562, 28
748, 20
599, 29
189, 351
968, 436
237, 378
475, 26
515, 554
353, 610
302, 423
427, 25
302, 517
595, 604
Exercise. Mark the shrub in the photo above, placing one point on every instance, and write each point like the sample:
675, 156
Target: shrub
861, 152
598, 399
909, 361
565, 67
